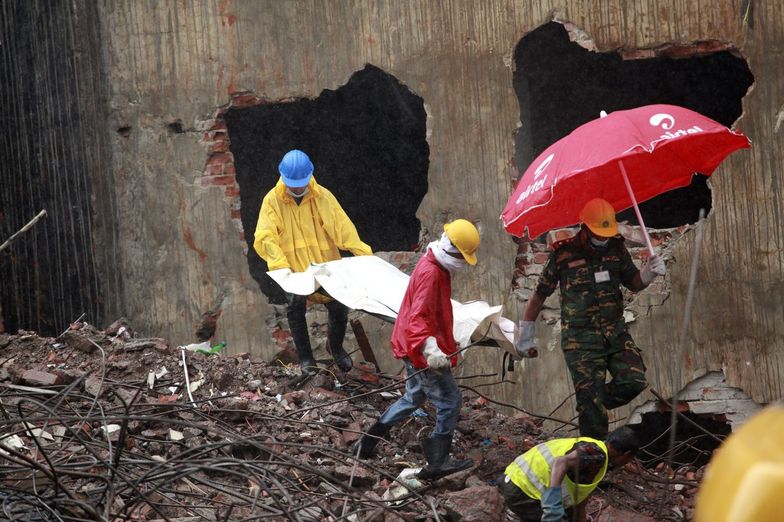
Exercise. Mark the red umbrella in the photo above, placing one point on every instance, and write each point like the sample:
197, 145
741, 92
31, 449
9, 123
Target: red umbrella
624, 157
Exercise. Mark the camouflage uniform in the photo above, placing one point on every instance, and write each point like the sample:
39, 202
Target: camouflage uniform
594, 336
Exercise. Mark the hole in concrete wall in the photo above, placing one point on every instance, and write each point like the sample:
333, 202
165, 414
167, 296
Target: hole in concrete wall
124, 131
367, 142
693, 447
710, 401
175, 127
560, 85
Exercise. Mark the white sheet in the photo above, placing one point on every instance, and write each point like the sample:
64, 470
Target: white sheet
371, 284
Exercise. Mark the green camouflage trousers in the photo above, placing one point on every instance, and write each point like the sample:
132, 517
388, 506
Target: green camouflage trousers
589, 365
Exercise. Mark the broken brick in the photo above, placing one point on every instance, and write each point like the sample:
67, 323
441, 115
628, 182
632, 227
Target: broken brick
39, 378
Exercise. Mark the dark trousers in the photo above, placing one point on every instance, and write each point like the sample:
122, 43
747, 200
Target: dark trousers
526, 508
337, 320
589, 366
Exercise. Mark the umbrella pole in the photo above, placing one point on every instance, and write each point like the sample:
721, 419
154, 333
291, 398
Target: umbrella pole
636, 209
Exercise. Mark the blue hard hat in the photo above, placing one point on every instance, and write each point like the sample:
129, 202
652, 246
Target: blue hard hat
295, 168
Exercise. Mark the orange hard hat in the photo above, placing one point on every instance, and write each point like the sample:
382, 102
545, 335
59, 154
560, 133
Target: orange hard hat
599, 216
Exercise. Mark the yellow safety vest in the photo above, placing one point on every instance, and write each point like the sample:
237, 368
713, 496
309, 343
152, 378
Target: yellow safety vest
531, 470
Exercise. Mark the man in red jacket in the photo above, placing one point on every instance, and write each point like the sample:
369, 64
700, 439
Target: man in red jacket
423, 339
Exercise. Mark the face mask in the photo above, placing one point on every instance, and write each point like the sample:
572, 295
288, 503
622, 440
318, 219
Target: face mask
599, 243
441, 249
297, 196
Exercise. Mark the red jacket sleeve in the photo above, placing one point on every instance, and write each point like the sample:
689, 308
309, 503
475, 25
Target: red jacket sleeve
421, 321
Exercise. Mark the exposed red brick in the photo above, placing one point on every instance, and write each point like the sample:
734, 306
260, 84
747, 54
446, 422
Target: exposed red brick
245, 100
235, 214
219, 180
220, 158
712, 46
637, 54
541, 258
220, 146
230, 168
214, 169
232, 191
219, 124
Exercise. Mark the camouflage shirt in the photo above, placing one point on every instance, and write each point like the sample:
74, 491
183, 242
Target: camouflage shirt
589, 280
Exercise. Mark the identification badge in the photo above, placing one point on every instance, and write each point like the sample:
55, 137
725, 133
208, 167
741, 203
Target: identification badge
602, 277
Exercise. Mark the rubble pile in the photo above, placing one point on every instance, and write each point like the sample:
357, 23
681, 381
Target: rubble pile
105, 425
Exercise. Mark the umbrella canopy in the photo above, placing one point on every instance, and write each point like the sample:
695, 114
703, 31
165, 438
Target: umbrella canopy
659, 146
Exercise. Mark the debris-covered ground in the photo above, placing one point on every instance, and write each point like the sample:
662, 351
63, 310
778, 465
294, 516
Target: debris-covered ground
105, 425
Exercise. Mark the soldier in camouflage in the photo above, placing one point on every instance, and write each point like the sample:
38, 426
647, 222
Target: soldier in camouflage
589, 269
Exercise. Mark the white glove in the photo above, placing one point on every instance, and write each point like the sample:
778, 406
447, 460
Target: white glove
436, 359
654, 267
525, 346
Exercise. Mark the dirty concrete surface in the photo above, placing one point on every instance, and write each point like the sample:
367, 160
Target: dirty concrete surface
100, 425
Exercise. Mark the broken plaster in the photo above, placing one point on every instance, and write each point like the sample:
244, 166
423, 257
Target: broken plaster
707, 395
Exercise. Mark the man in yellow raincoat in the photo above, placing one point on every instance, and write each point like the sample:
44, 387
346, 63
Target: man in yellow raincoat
301, 222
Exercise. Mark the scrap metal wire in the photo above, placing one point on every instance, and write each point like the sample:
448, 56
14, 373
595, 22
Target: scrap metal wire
85, 459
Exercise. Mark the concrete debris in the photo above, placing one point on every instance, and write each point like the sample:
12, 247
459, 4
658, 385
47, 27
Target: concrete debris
258, 440
476, 504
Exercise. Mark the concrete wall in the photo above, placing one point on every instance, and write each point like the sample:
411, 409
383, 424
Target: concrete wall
171, 60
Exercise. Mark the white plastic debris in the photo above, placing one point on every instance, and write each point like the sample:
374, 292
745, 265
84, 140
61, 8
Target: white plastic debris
197, 346
153, 376
195, 385
405, 482
110, 428
13, 442
175, 435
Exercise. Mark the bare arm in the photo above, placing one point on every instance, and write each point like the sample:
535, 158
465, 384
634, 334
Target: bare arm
557, 474
560, 467
534, 306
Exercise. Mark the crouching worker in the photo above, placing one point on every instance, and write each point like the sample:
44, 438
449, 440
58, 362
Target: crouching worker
557, 477
423, 339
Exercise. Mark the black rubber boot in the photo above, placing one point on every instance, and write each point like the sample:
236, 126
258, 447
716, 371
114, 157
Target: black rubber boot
337, 320
439, 463
370, 440
299, 333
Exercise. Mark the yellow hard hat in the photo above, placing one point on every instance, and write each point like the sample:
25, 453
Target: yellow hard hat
745, 478
464, 235
599, 216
